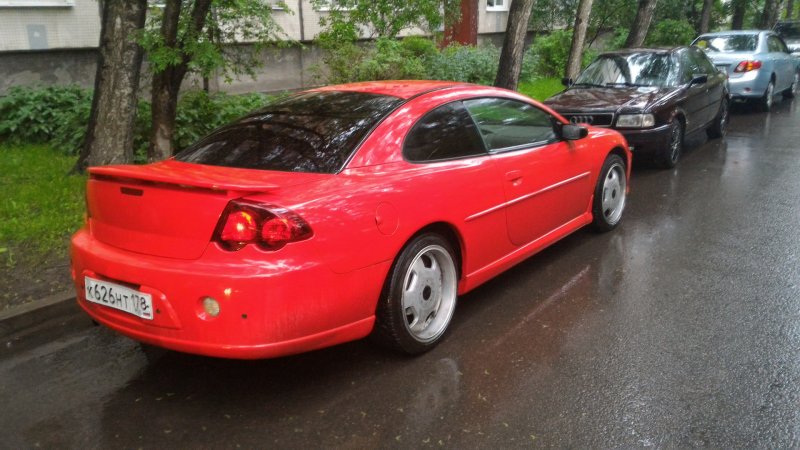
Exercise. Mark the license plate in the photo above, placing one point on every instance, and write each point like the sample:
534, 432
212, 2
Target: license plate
119, 297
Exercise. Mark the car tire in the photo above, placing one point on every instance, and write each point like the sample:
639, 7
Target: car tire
419, 296
610, 194
793, 89
719, 127
765, 104
672, 154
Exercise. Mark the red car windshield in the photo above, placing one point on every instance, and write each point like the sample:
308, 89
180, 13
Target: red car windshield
310, 132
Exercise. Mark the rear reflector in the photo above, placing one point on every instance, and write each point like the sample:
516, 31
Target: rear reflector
267, 226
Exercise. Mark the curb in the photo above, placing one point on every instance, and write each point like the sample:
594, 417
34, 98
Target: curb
33, 313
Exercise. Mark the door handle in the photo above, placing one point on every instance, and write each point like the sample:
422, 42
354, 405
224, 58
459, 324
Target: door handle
514, 176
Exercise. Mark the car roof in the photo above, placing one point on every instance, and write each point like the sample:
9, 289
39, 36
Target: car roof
404, 89
630, 51
733, 32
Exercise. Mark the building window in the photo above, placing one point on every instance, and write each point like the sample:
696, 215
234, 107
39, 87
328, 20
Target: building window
36, 3
497, 5
327, 5
278, 5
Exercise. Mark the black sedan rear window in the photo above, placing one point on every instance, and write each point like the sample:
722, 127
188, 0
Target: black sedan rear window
310, 132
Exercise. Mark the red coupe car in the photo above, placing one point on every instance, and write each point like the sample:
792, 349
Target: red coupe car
339, 212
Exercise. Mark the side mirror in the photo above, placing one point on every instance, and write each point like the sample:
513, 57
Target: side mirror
699, 79
572, 132
567, 81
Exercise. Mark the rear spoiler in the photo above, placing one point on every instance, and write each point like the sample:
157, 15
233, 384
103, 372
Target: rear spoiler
190, 175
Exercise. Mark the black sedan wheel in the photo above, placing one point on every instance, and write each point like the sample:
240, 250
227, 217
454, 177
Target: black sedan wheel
675, 148
720, 124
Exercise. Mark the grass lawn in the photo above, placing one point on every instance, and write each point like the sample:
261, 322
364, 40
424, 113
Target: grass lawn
542, 88
40, 205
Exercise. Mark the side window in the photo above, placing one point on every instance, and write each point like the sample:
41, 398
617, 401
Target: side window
774, 45
690, 66
771, 44
507, 123
447, 132
706, 66
782, 45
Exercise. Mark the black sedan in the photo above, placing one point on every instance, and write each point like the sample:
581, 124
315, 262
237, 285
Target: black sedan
654, 97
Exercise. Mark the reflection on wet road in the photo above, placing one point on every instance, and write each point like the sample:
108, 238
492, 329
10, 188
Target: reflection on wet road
681, 328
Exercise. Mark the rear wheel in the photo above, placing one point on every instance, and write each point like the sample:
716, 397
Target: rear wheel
673, 151
720, 124
420, 296
792, 91
769, 96
609, 194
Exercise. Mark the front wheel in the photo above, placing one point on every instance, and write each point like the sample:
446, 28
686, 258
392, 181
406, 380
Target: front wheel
673, 152
420, 296
610, 194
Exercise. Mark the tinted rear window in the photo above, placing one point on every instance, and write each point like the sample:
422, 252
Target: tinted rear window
310, 132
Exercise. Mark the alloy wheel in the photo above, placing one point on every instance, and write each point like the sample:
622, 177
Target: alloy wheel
429, 293
613, 197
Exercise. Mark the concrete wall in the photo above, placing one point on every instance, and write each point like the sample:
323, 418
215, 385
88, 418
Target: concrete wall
283, 69
44, 68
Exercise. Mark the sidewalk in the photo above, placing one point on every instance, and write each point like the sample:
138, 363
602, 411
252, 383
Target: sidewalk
17, 318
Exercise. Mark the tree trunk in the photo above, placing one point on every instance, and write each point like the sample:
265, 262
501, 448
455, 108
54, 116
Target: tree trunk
109, 136
789, 9
167, 83
164, 109
769, 15
641, 24
739, 11
513, 44
705, 16
578, 38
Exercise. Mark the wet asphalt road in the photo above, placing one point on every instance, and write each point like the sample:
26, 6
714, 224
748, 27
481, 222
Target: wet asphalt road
679, 329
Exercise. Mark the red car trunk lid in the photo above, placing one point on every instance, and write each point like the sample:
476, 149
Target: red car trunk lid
171, 208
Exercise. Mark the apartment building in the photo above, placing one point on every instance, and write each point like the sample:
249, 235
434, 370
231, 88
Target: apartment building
55, 42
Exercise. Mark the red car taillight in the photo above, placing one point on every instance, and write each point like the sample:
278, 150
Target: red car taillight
747, 66
268, 226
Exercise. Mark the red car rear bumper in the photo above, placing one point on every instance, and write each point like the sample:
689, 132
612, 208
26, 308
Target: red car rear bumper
268, 306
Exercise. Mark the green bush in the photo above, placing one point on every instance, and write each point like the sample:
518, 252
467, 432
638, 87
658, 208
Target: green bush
60, 115
671, 32
547, 56
199, 113
55, 114
464, 63
618, 41
387, 59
